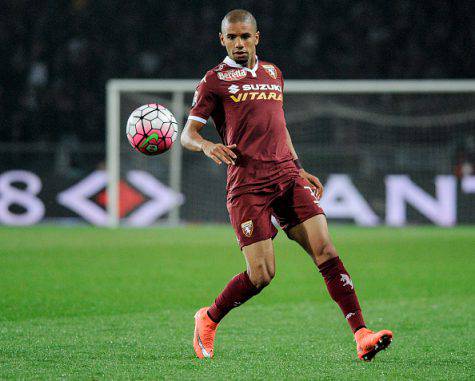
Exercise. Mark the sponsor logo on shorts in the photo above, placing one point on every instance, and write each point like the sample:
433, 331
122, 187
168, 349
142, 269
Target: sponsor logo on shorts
270, 69
247, 228
232, 75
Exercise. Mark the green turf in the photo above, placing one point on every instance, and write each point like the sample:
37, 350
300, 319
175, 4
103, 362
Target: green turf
88, 303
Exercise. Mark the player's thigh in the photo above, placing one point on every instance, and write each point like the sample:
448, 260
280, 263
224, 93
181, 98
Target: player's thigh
314, 237
260, 262
296, 204
250, 216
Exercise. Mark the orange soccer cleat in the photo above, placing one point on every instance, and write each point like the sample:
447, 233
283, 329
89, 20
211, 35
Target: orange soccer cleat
369, 343
205, 330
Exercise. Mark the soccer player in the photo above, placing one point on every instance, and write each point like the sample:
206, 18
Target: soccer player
244, 97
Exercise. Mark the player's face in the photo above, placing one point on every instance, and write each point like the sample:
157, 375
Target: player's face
240, 40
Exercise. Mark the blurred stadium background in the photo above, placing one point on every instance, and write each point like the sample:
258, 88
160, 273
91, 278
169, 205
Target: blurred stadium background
59, 55
73, 295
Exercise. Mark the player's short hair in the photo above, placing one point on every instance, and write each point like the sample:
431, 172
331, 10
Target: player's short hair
239, 15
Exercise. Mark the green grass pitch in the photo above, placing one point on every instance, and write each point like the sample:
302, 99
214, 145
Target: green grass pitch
87, 303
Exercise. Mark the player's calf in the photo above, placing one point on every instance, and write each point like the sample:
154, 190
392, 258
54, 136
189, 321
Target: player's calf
237, 291
341, 289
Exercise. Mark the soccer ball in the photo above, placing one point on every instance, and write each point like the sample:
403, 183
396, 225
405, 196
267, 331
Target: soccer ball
152, 129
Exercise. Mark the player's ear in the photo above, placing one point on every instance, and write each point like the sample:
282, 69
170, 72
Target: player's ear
257, 35
221, 39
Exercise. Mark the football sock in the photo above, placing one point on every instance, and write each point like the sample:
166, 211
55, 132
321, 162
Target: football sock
341, 290
237, 291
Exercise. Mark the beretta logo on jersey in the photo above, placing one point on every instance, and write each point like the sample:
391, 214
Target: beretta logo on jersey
232, 75
270, 69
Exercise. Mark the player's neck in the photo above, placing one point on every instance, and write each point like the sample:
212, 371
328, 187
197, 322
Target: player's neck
251, 62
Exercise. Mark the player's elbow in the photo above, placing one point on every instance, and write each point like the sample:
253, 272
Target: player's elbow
185, 139
188, 138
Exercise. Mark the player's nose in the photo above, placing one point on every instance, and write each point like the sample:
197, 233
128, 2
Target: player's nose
238, 43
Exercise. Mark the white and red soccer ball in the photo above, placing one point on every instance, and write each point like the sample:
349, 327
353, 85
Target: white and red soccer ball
152, 129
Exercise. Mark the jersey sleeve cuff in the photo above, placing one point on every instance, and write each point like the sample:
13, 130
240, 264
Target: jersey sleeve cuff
197, 118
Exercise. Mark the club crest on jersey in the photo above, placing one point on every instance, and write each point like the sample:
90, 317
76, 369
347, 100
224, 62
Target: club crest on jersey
247, 228
232, 75
270, 69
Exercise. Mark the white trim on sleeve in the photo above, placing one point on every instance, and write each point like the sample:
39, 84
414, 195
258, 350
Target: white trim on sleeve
197, 118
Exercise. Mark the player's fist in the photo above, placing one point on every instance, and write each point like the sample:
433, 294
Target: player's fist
314, 181
219, 153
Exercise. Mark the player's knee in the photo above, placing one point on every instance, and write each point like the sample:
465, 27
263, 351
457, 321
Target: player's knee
271, 273
324, 250
267, 277
261, 275
263, 280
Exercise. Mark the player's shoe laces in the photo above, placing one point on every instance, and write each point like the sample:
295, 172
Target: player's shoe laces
205, 330
368, 343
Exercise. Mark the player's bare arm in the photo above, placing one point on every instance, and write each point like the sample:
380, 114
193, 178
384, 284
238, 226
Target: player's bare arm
192, 140
313, 180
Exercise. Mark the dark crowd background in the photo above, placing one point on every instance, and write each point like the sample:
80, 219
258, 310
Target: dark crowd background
56, 56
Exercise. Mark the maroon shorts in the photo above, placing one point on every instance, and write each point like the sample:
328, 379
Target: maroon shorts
291, 203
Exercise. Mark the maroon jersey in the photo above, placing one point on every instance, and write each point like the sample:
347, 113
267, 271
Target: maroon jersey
246, 107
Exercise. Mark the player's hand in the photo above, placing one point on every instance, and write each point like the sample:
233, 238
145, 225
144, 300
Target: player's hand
219, 153
314, 181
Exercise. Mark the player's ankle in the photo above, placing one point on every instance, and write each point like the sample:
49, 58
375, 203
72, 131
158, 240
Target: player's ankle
357, 329
214, 320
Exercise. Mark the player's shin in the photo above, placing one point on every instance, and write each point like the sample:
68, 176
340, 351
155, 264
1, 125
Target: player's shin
239, 290
340, 287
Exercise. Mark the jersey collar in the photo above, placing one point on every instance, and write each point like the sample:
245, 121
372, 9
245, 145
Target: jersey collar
230, 62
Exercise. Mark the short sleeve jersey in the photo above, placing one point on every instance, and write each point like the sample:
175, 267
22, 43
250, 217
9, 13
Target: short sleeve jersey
246, 106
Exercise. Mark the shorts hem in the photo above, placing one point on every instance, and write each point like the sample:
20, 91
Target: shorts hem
263, 238
301, 221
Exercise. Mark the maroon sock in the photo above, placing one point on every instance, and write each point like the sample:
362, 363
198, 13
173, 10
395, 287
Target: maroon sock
341, 290
237, 291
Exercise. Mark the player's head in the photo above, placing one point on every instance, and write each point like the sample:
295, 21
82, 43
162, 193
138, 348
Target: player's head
239, 35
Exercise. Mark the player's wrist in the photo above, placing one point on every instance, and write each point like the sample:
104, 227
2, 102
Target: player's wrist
203, 145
